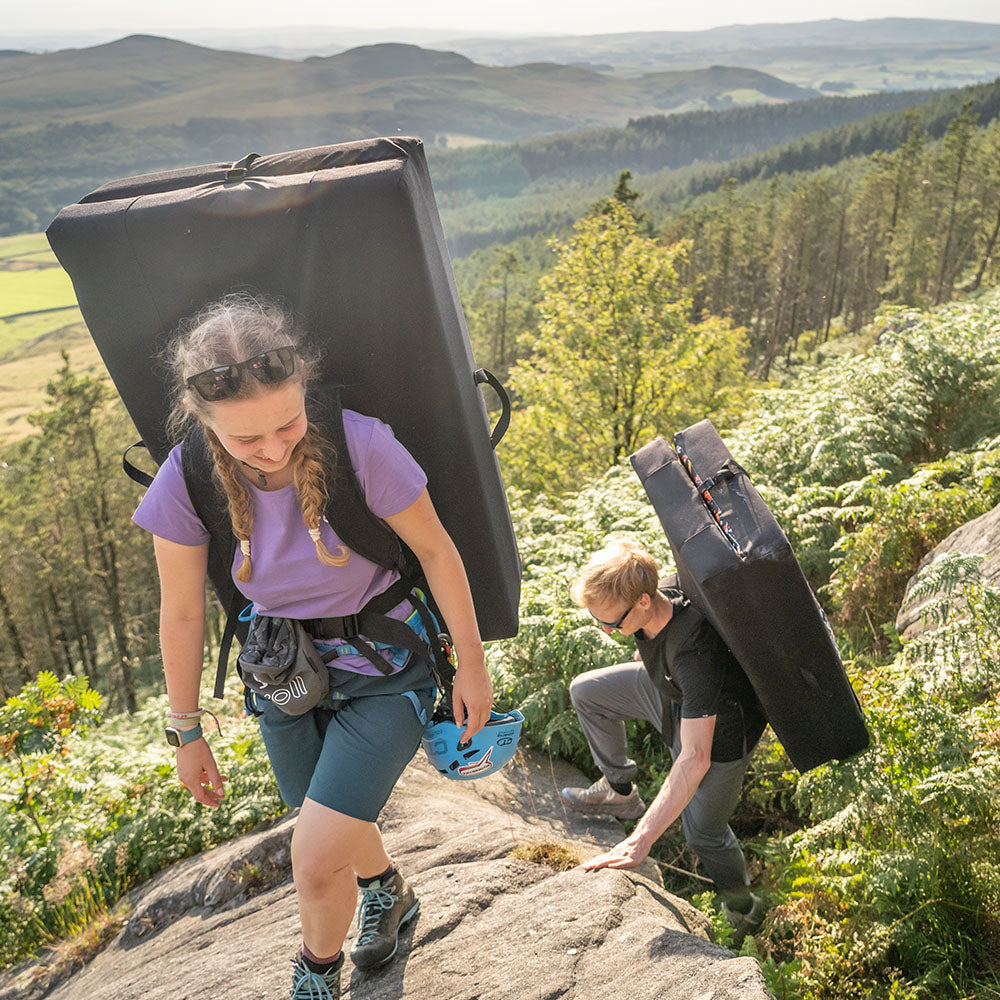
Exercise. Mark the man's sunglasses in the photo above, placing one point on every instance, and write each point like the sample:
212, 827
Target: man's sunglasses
613, 625
225, 381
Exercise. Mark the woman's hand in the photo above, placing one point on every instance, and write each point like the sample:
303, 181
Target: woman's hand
472, 697
197, 771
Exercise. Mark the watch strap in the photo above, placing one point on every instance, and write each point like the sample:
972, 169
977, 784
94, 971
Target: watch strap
181, 737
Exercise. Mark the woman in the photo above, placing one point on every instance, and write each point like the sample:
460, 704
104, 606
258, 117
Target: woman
240, 371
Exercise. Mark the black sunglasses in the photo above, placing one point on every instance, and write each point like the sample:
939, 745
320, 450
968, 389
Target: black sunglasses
613, 625
224, 382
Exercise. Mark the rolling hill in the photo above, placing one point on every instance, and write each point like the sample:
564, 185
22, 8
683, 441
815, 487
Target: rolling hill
147, 81
835, 56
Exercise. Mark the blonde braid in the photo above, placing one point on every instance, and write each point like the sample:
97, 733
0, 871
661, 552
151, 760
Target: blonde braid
310, 487
240, 501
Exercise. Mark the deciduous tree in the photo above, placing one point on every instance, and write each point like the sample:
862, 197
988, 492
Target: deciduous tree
616, 360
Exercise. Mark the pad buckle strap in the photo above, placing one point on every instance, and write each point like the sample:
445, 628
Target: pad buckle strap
344, 627
729, 471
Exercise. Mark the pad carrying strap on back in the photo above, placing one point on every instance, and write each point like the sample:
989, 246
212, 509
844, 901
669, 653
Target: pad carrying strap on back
347, 513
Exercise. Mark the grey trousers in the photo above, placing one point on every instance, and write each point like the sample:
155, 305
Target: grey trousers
604, 699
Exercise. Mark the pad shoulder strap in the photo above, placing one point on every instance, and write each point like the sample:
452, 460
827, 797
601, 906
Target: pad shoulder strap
367, 534
347, 510
687, 618
210, 505
212, 508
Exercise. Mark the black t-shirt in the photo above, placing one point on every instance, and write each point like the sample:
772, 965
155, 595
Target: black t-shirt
693, 667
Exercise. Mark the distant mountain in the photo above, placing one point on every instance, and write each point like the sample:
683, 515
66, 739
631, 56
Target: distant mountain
652, 47
495, 194
145, 81
848, 56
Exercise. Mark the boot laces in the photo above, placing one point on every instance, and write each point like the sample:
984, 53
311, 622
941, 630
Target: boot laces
309, 985
374, 902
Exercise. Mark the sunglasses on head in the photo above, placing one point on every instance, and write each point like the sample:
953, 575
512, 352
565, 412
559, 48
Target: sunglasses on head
224, 381
613, 625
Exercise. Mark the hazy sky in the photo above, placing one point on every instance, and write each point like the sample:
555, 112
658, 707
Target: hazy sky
471, 16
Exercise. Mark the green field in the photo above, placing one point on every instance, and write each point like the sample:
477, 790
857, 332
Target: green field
30, 247
29, 288
39, 319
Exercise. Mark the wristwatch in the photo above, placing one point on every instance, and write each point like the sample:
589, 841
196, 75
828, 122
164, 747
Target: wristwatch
181, 737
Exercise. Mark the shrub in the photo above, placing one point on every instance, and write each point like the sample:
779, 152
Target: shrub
894, 888
928, 386
89, 808
890, 527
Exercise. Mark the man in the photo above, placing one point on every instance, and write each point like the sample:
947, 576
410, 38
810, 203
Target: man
689, 686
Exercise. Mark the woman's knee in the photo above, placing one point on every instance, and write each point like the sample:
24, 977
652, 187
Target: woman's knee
316, 875
324, 845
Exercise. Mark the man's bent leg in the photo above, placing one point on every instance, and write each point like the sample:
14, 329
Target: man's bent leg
604, 699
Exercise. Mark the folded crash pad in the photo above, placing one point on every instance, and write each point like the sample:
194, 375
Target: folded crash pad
735, 563
348, 236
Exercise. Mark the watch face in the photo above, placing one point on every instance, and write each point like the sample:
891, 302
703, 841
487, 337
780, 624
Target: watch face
173, 737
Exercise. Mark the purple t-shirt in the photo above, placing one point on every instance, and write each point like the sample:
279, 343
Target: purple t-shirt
288, 580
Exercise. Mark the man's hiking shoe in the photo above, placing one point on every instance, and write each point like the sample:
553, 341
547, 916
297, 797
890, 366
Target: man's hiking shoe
386, 905
309, 985
745, 923
601, 798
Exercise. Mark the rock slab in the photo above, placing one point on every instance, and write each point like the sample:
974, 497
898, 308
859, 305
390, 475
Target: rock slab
490, 926
981, 536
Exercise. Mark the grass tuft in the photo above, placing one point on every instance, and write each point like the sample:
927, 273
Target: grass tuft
561, 857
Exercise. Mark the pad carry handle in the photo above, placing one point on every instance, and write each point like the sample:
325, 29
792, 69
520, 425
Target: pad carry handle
239, 169
485, 376
133, 471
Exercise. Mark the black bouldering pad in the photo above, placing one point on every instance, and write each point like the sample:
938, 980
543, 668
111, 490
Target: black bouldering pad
348, 236
740, 570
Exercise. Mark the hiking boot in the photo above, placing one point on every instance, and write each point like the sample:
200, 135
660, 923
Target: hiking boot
601, 798
309, 985
386, 905
745, 923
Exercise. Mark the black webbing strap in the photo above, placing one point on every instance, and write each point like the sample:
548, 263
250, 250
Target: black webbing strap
729, 471
372, 622
483, 376
133, 471
704, 487
228, 634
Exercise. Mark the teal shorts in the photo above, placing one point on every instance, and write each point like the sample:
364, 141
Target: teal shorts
346, 753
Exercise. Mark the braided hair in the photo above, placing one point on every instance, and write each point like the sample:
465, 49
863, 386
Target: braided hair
234, 328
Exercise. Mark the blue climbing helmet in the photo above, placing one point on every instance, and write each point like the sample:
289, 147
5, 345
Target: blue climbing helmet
485, 753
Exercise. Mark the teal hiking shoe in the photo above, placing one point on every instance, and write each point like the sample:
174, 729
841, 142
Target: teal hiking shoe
309, 985
386, 905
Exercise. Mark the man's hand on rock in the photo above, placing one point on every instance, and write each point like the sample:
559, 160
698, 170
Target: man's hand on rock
630, 853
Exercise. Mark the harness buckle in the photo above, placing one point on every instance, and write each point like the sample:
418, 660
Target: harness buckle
349, 623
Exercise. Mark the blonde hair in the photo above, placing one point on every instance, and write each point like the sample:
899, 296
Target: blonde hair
621, 572
237, 327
